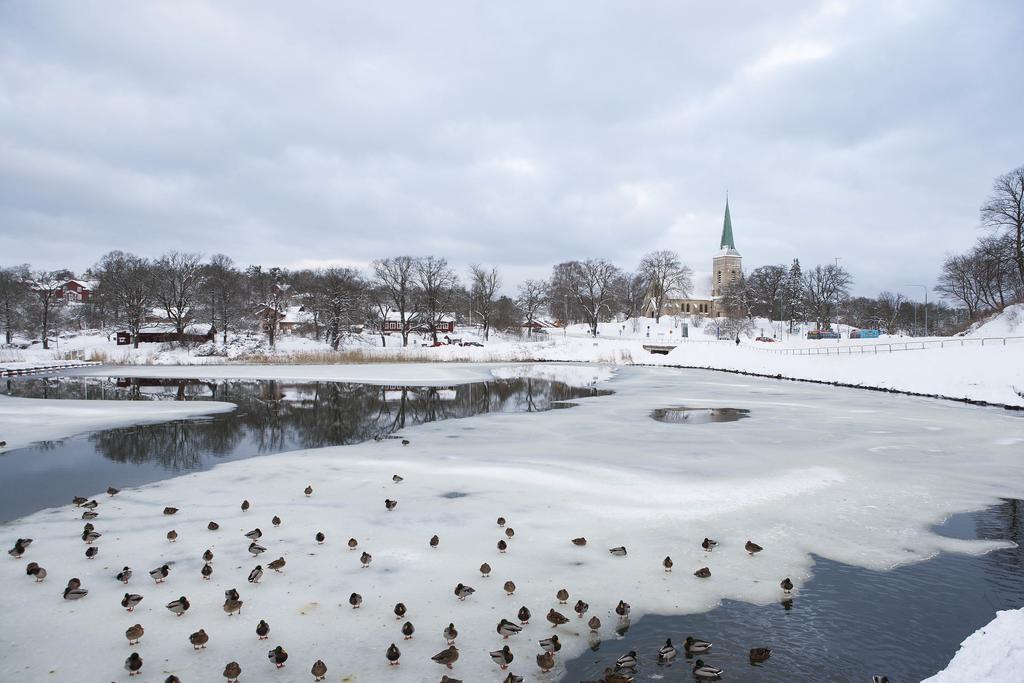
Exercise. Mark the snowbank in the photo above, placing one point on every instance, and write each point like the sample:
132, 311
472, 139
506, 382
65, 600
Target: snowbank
1007, 323
993, 653
29, 420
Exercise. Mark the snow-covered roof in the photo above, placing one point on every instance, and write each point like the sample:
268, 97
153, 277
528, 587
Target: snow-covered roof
168, 328
393, 316
297, 315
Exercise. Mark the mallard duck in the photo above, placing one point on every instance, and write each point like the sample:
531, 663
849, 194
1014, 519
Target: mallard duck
434, 541
879, 679
667, 652
393, 655
462, 591
397, 479
160, 573
231, 594
319, 670
353, 544
232, 605
88, 536
130, 601
254, 535
705, 672
134, 634
356, 600
594, 623
111, 491
308, 491
277, 657
199, 639
79, 501
172, 535
556, 618
702, 573
232, 671
622, 609
407, 630
320, 538
502, 657
170, 510
759, 654
92, 504
85, 527
179, 606
524, 615
366, 558
277, 565
208, 555
786, 585
256, 574
512, 678
447, 656
613, 676
580, 608
256, 549
172, 679
546, 661
39, 573
752, 548
485, 570
406, 442
74, 582
450, 633
579, 541
667, 564
619, 551
389, 504
75, 593
510, 587
502, 546
245, 505
562, 596
213, 526
133, 665
276, 521
551, 644
696, 646
91, 552
507, 628
262, 630
124, 575
708, 544
626, 661
509, 533
501, 521
90, 514
206, 571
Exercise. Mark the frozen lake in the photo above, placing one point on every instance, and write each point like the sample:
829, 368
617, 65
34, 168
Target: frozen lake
844, 489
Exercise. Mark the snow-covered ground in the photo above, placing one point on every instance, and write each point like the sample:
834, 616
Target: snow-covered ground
852, 476
994, 653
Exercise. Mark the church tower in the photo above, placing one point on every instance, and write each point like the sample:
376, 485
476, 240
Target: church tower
727, 265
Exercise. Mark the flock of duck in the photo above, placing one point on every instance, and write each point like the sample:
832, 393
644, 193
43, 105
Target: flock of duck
621, 671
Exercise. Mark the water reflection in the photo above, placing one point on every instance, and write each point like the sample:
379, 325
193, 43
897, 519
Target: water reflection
847, 623
272, 417
683, 415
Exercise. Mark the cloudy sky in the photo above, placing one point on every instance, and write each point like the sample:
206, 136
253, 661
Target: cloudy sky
516, 134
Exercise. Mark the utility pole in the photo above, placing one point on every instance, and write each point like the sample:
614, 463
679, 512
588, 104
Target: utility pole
838, 258
925, 290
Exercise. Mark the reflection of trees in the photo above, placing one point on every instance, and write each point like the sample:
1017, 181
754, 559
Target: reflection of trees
1004, 522
179, 445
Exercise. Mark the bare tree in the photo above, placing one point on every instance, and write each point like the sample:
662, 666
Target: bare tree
958, 280
533, 295
340, 302
225, 294
594, 284
765, 291
483, 292
176, 286
1004, 210
824, 288
395, 278
632, 291
666, 277
437, 285
14, 292
888, 309
125, 280
45, 284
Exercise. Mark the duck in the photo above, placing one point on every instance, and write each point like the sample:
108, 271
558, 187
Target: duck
546, 661
696, 645
580, 541
213, 526
667, 652
134, 634
702, 573
38, 572
277, 565
752, 548
172, 679
626, 661
667, 564
485, 570
393, 654
356, 600
130, 601
524, 615
407, 630
501, 521
366, 558
319, 670
502, 546
85, 527
92, 504
232, 605
256, 574
612, 676
262, 630
619, 551
509, 533
277, 657
245, 505
510, 587
160, 573
179, 606
90, 514
75, 592
512, 678
79, 501
255, 548
406, 442
276, 521
759, 654
507, 628
89, 536
434, 541
91, 552
231, 594
172, 535
320, 538
450, 633
353, 544
708, 544
706, 672
551, 644
398, 479
390, 504
254, 535
594, 624
622, 609
462, 591
563, 596
133, 665
308, 491
232, 671
879, 679
170, 510
580, 608
556, 618
111, 491
199, 639
124, 575
502, 657
206, 571
786, 585
399, 610
74, 582
447, 656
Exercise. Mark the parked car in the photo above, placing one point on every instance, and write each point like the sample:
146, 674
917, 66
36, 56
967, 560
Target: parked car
765, 339
472, 343
865, 334
822, 334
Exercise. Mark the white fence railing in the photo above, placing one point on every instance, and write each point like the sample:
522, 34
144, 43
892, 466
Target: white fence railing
889, 347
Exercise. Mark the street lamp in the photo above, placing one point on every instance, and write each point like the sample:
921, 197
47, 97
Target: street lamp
925, 289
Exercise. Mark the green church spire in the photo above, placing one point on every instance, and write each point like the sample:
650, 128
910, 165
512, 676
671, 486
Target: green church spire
727, 240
